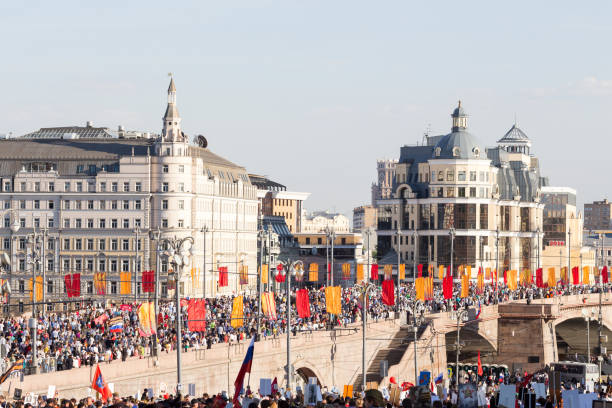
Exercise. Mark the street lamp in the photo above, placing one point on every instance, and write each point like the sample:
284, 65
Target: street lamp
587, 318
452, 253
261, 234
137, 265
330, 234
496, 262
291, 268
417, 311
14, 226
461, 315
364, 289
34, 259
204, 230
399, 252
178, 253
155, 235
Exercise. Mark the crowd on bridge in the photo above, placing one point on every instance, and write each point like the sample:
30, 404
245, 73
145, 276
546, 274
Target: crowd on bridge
84, 337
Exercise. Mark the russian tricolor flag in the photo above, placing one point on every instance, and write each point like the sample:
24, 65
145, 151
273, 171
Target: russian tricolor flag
246, 368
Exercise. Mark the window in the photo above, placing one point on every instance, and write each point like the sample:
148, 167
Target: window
51, 186
125, 265
165, 223
78, 204
103, 186
164, 204
66, 265
165, 168
50, 265
472, 191
23, 186
79, 186
181, 223
22, 223
126, 186
78, 244
50, 204
114, 223
102, 265
6, 243
126, 223
78, 265
21, 286
125, 244
139, 245
22, 204
126, 204
77, 223
36, 222
7, 186
51, 244
138, 204
37, 186
89, 265
461, 176
102, 245
472, 176
181, 204
481, 176
181, 187
113, 266
66, 204
139, 186
90, 223
91, 187
114, 245
114, 205
450, 192
102, 205
114, 187
165, 187
90, 205
181, 168
137, 223
113, 287
102, 223
450, 175
461, 192
66, 186
66, 222
22, 243
90, 244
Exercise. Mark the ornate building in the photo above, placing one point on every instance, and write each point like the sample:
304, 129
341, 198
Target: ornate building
453, 196
96, 196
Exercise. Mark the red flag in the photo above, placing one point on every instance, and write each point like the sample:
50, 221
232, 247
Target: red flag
76, 284
196, 315
575, 276
420, 269
480, 372
604, 275
222, 276
374, 272
447, 287
449, 272
100, 385
274, 385
302, 303
388, 288
539, 278
506, 277
148, 281
68, 284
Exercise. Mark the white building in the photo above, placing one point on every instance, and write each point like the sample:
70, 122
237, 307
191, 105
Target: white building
318, 221
91, 193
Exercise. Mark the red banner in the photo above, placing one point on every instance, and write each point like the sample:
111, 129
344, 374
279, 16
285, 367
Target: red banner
76, 284
148, 281
223, 276
388, 288
575, 276
196, 315
539, 278
420, 269
374, 272
604, 275
68, 284
447, 287
302, 303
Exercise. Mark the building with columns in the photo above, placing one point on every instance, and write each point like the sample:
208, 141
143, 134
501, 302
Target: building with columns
453, 196
96, 196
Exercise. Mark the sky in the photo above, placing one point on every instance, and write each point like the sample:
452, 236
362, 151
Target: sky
312, 93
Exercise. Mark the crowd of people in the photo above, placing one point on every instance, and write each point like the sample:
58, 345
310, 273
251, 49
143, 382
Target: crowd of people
72, 339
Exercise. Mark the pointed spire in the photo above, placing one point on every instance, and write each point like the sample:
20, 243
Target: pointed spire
171, 88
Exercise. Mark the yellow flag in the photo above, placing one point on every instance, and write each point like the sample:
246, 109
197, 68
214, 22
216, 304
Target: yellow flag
465, 286
441, 272
429, 287
420, 288
402, 271
237, 312
264, 273
512, 284
480, 283
125, 286
488, 273
268, 305
552, 279
388, 270
585, 275
346, 271
333, 299
469, 271
563, 275
36, 289
313, 272
144, 319
359, 272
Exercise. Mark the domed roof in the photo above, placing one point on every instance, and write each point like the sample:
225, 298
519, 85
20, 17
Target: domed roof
458, 111
458, 145
514, 135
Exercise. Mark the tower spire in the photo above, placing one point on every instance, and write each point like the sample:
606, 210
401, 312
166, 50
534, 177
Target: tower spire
172, 120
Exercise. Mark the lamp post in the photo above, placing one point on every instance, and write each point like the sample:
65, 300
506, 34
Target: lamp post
261, 236
330, 235
156, 236
291, 269
414, 257
204, 230
14, 226
364, 289
496, 262
569, 255
34, 259
587, 318
399, 252
461, 315
599, 314
136, 262
178, 253
417, 319
452, 253
538, 246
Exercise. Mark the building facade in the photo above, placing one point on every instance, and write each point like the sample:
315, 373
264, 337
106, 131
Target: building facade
364, 217
451, 196
319, 221
383, 188
100, 200
598, 215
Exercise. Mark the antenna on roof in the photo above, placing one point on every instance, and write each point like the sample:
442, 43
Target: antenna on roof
514, 118
170, 74
426, 134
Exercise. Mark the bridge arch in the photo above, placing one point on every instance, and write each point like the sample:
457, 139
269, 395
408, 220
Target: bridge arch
305, 370
472, 341
572, 334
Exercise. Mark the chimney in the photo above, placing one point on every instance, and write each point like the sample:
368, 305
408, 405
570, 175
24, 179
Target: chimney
89, 123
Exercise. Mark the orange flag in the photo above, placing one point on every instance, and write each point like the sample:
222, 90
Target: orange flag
552, 279
333, 299
465, 286
420, 288
313, 272
441, 272
388, 270
359, 272
402, 271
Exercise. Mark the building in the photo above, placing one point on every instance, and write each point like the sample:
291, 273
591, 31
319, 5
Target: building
276, 201
319, 221
598, 215
100, 199
452, 193
601, 245
364, 217
383, 188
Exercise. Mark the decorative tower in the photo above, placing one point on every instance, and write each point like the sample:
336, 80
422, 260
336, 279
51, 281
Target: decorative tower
459, 119
172, 121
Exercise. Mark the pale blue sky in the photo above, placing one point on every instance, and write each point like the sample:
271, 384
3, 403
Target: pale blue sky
311, 93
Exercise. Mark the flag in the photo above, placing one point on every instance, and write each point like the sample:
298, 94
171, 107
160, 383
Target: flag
552, 280
100, 283
480, 281
419, 287
420, 270
17, 366
585, 275
275, 384
313, 272
36, 289
539, 278
429, 288
245, 368
237, 313
388, 289
264, 274
67, 285
575, 276
125, 284
478, 311
430, 271
439, 379
332, 299
447, 287
196, 315
488, 275
99, 385
563, 276
441, 272
480, 371
148, 281
359, 273
115, 324
374, 272
223, 276
280, 276
402, 271
604, 275
76, 285
465, 286
268, 305
302, 303
388, 271
244, 274
346, 271
194, 278
146, 319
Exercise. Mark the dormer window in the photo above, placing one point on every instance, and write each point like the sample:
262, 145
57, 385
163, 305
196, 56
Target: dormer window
456, 151
437, 151
476, 151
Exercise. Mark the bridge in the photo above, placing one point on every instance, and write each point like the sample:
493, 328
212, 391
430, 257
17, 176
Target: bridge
521, 335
